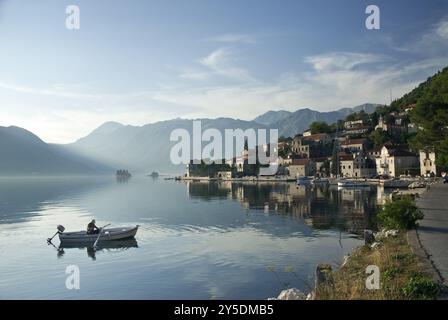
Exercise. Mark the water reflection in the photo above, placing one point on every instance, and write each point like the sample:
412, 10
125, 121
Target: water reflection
197, 240
109, 246
321, 206
23, 198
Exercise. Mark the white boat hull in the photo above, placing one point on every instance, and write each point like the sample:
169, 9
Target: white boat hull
107, 235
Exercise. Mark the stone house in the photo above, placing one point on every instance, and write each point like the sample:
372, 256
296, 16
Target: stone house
395, 161
315, 145
363, 166
354, 145
301, 147
318, 138
301, 168
318, 166
353, 124
346, 165
427, 163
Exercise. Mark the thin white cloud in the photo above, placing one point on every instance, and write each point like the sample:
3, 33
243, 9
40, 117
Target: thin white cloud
431, 42
63, 92
442, 30
221, 62
341, 60
195, 75
337, 79
218, 85
234, 38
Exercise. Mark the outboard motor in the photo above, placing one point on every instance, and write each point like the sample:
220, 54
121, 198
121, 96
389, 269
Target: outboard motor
60, 228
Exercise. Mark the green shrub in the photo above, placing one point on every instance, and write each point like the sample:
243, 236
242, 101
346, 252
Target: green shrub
420, 287
401, 213
391, 273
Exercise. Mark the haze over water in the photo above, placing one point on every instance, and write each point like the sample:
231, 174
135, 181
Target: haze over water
196, 240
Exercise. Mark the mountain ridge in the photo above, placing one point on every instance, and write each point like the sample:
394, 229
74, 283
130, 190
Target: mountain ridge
137, 148
289, 123
24, 153
147, 147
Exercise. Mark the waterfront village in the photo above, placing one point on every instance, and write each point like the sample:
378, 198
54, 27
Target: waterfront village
372, 147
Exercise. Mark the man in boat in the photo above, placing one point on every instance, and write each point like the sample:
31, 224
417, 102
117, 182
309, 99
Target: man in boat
92, 228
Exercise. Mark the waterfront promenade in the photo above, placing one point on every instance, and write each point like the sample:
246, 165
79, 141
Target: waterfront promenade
433, 229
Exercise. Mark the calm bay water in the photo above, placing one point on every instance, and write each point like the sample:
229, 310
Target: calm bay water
196, 240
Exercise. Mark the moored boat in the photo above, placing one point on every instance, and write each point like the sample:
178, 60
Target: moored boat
108, 234
153, 174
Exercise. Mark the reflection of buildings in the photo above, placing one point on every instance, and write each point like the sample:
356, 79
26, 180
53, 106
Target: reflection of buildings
320, 206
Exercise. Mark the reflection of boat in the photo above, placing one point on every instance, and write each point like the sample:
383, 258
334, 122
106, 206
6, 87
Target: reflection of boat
109, 234
320, 181
117, 244
353, 184
304, 180
123, 173
106, 245
123, 176
153, 174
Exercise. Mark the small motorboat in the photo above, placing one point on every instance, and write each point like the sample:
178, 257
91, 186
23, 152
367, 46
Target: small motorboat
107, 234
153, 174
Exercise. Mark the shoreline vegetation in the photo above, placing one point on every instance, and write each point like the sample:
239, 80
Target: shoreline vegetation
403, 275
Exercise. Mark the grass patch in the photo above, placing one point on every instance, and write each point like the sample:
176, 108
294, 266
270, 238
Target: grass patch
401, 277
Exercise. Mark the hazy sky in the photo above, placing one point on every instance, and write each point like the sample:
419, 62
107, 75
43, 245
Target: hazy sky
138, 62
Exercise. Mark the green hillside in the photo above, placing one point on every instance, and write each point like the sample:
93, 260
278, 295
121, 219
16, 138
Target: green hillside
431, 115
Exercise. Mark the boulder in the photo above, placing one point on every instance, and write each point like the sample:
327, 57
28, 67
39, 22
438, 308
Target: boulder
383, 234
292, 294
369, 237
375, 245
345, 260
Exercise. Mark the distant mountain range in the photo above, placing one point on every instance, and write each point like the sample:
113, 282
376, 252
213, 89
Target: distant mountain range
291, 123
147, 148
136, 148
23, 153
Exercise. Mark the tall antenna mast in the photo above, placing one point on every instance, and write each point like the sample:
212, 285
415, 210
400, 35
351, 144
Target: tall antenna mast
390, 95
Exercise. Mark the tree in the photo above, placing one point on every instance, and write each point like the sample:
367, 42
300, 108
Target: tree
401, 213
320, 127
379, 137
325, 168
361, 115
335, 169
431, 116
